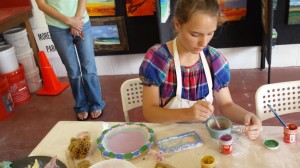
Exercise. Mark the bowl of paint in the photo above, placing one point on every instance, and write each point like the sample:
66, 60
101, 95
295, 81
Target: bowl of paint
271, 144
215, 131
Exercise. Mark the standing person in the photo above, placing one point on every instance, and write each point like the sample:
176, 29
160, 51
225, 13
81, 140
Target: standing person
69, 24
182, 76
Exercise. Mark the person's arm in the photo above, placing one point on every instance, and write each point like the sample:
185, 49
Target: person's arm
200, 111
237, 114
79, 14
74, 22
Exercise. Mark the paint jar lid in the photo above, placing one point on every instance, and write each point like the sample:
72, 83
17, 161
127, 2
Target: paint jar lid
271, 144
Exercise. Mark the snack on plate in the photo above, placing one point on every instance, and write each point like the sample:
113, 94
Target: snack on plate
79, 147
52, 163
84, 164
35, 165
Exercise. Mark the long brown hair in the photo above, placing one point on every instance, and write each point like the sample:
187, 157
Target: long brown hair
185, 8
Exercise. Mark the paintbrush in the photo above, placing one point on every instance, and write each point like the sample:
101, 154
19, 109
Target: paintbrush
277, 116
217, 122
214, 117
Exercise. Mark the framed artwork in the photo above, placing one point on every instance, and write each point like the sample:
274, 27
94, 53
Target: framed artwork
109, 34
233, 10
294, 12
101, 7
140, 7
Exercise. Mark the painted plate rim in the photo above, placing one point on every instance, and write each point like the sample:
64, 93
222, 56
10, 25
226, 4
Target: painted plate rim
126, 156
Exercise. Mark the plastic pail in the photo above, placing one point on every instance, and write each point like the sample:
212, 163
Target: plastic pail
8, 59
6, 102
27, 60
18, 86
34, 81
16, 36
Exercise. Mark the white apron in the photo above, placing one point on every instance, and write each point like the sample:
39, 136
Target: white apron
177, 102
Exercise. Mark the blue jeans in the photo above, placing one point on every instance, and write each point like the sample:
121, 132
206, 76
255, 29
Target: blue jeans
81, 70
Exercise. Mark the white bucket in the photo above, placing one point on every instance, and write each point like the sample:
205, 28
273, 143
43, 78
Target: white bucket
8, 59
34, 81
22, 49
16, 36
27, 60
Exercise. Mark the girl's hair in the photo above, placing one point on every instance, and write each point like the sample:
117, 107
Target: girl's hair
185, 8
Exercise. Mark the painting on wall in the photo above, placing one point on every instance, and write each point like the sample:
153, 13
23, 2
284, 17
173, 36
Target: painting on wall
100, 7
109, 34
233, 10
140, 7
294, 12
164, 10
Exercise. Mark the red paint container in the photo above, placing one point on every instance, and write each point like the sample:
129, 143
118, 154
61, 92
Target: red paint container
290, 133
6, 102
225, 143
18, 86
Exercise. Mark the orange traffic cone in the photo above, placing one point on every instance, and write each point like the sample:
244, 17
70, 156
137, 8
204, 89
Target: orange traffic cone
52, 86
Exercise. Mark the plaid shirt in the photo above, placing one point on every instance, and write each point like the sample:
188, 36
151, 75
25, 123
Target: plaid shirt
158, 69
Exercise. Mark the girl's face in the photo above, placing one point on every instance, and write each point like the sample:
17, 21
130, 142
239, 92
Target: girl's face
194, 35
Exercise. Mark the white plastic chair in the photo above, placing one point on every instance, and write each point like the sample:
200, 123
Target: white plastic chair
284, 97
131, 95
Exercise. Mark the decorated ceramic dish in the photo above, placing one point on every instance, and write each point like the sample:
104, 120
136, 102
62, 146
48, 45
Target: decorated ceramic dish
125, 141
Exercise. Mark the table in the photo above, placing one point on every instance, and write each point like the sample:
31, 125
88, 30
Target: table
246, 153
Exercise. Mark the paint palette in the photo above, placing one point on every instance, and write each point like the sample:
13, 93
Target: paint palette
271, 144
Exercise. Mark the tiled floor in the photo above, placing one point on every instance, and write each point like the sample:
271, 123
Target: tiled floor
25, 129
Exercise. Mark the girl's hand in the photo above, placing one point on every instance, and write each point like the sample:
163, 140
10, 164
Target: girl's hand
253, 126
76, 22
74, 32
200, 111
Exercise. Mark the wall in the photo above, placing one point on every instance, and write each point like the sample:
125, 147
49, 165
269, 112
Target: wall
238, 57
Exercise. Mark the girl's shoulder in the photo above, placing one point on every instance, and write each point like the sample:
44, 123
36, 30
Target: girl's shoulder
159, 50
210, 51
213, 55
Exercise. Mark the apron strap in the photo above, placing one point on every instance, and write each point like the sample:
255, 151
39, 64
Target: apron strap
177, 68
209, 97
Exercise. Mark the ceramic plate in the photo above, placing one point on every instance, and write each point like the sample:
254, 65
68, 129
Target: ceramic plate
42, 160
125, 141
113, 163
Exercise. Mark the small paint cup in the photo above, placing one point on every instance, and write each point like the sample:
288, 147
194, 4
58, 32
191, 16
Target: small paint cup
225, 143
290, 133
208, 161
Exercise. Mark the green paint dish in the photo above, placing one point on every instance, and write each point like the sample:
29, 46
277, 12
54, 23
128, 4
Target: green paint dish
271, 144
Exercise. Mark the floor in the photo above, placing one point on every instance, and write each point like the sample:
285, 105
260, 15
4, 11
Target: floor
20, 133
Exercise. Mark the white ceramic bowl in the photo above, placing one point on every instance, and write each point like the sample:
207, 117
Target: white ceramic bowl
113, 163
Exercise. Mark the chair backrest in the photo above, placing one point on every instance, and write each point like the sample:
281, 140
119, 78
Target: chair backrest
284, 97
131, 94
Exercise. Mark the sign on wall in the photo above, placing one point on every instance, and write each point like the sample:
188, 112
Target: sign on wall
44, 42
